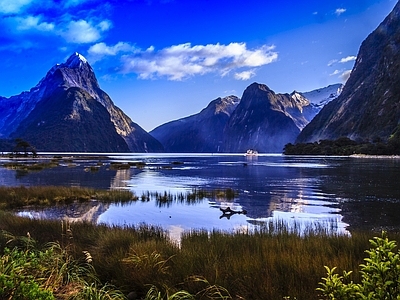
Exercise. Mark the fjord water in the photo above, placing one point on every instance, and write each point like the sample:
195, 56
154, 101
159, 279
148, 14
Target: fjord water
334, 191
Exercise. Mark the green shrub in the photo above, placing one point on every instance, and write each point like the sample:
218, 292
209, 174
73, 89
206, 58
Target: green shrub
380, 275
17, 280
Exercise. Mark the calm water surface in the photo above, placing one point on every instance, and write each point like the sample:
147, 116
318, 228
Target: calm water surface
347, 192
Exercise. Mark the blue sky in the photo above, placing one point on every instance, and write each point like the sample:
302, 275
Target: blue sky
161, 60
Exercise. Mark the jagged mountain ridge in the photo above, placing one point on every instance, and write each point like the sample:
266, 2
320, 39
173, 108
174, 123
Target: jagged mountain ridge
265, 121
207, 132
369, 105
27, 115
202, 132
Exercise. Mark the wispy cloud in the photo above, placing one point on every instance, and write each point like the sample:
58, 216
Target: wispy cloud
71, 3
101, 49
245, 75
332, 62
23, 19
336, 72
81, 31
13, 6
340, 11
33, 23
342, 60
181, 61
347, 59
345, 75
98, 51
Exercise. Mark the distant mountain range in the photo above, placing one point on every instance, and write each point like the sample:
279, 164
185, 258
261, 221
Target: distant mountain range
262, 120
68, 111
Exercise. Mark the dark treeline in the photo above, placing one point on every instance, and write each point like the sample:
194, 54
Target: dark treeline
345, 146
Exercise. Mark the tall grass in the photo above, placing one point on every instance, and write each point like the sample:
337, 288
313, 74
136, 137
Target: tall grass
270, 263
14, 197
191, 197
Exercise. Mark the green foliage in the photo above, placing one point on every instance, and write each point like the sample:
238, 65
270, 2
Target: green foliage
20, 275
345, 146
30, 273
380, 275
271, 263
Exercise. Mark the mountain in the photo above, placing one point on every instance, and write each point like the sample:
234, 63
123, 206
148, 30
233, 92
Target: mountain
262, 120
369, 106
266, 121
68, 111
202, 132
321, 97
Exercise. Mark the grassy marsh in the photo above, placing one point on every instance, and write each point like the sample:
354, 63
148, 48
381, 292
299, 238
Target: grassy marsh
15, 197
271, 263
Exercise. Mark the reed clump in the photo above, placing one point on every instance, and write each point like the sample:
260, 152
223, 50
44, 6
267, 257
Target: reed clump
276, 261
16, 197
35, 166
191, 197
119, 166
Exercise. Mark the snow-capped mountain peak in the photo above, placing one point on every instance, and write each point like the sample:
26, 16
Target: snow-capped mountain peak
75, 60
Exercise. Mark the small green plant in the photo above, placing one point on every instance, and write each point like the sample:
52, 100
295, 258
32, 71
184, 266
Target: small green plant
380, 275
155, 294
17, 275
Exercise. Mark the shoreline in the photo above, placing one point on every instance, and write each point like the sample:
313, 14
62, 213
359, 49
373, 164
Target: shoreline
375, 156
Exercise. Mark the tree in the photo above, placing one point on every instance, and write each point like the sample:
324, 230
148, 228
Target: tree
25, 146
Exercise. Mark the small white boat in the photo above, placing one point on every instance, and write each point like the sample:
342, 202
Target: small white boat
251, 152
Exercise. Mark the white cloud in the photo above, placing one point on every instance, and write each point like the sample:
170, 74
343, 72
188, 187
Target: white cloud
345, 75
340, 11
13, 6
102, 49
33, 22
181, 61
332, 62
342, 60
245, 75
98, 51
81, 31
104, 25
347, 59
335, 73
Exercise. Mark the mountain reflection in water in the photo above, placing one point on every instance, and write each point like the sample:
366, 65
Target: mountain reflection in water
332, 190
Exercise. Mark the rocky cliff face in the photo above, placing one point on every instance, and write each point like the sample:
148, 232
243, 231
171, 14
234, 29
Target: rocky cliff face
265, 121
369, 106
67, 111
202, 132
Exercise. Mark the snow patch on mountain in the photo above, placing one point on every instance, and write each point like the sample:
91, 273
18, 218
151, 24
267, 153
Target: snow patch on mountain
75, 60
321, 97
